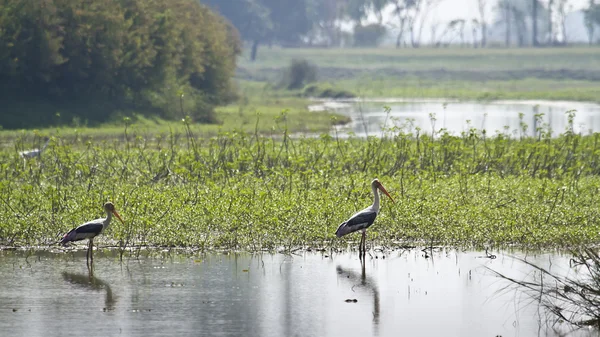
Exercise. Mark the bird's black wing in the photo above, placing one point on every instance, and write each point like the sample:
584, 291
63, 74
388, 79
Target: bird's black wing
357, 222
85, 231
362, 220
89, 228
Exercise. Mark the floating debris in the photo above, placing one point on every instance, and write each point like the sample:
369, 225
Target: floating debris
351, 300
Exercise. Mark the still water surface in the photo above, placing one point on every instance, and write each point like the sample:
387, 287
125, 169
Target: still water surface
450, 293
369, 117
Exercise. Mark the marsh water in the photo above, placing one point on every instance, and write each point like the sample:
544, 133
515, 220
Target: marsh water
369, 117
403, 292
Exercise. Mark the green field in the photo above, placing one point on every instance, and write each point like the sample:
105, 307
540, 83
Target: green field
432, 59
483, 74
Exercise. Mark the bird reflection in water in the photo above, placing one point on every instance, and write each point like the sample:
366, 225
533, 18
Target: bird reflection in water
362, 281
90, 282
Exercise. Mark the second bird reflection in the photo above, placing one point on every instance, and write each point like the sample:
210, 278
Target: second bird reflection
93, 283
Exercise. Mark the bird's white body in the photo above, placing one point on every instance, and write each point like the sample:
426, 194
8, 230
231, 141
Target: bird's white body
35, 152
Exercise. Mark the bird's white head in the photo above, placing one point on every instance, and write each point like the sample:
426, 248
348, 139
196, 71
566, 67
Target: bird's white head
377, 185
110, 207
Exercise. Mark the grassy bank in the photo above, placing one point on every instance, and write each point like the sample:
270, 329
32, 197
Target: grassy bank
259, 108
247, 191
410, 59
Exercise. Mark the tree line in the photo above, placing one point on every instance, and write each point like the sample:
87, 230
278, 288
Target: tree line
87, 59
321, 22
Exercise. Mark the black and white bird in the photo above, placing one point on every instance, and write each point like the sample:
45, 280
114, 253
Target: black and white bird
91, 229
28, 154
363, 219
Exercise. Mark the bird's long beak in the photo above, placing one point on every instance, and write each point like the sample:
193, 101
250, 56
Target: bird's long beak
118, 217
386, 192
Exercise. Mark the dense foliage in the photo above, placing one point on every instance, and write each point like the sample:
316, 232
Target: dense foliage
267, 21
247, 191
87, 59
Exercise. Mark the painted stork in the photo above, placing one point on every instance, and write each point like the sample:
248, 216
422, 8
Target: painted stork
363, 219
91, 229
28, 154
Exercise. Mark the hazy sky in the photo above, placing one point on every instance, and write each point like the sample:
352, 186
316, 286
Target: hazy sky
448, 10
452, 9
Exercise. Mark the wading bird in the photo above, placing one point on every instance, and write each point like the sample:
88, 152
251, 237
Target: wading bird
90, 230
35, 152
363, 219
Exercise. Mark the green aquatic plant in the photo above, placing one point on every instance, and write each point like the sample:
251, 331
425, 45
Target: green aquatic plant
253, 191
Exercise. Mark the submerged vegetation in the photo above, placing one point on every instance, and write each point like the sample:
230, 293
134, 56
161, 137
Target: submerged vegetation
254, 191
574, 298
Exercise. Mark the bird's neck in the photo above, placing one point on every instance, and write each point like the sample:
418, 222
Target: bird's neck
108, 218
375, 199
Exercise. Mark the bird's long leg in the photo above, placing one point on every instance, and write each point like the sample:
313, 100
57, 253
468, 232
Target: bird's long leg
87, 256
364, 241
360, 244
92, 251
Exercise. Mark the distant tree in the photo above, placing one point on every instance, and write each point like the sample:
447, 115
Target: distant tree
475, 25
401, 11
326, 17
368, 35
482, 8
562, 8
534, 21
113, 55
506, 8
592, 19
417, 18
357, 10
519, 16
454, 28
290, 20
252, 18
378, 7
550, 22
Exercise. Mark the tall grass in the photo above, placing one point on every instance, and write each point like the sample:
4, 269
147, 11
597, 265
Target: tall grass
248, 190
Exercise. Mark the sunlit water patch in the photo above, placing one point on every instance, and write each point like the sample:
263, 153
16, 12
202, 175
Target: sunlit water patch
408, 292
369, 117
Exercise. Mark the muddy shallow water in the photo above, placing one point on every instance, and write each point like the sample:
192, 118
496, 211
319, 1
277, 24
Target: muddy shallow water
447, 293
369, 116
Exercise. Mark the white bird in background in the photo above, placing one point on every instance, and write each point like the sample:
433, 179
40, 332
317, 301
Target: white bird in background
90, 230
363, 219
35, 152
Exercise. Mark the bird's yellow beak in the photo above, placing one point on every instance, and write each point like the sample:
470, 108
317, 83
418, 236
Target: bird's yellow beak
118, 217
386, 192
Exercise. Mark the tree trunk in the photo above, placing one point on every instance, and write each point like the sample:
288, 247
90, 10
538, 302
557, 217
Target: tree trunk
483, 34
563, 19
399, 38
534, 18
481, 6
550, 23
590, 24
507, 22
254, 50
